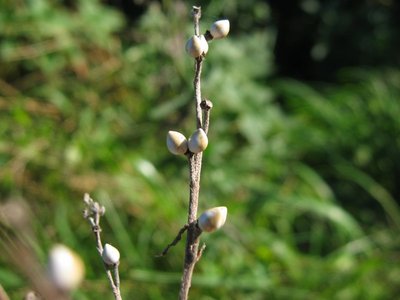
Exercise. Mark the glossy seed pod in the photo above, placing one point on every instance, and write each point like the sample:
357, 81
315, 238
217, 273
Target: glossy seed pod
204, 45
198, 141
194, 46
197, 46
176, 142
213, 218
220, 29
110, 255
65, 267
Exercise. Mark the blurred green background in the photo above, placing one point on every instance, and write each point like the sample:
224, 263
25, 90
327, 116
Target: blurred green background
304, 143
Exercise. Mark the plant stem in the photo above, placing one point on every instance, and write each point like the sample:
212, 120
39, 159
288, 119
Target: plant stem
93, 213
196, 12
192, 252
197, 90
193, 232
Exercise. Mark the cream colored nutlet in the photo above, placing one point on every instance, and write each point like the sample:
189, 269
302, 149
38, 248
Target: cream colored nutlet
176, 142
194, 46
204, 44
198, 141
65, 267
213, 218
110, 254
220, 29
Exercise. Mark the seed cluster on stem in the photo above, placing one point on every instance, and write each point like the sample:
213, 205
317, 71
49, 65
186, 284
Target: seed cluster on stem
211, 220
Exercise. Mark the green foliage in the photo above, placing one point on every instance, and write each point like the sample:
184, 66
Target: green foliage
353, 130
308, 173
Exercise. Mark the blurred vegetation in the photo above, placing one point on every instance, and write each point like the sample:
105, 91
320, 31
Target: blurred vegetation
308, 169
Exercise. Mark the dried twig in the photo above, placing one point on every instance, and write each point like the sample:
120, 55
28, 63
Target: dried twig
175, 241
93, 212
195, 162
174, 141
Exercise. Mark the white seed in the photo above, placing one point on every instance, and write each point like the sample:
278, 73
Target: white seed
194, 46
213, 218
198, 141
110, 254
204, 45
197, 46
176, 142
220, 29
65, 268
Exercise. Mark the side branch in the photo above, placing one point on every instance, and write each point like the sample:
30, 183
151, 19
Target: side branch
196, 13
175, 241
197, 90
206, 105
93, 212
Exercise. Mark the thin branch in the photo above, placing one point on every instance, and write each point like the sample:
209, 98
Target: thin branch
200, 251
116, 285
93, 212
116, 275
197, 90
206, 105
175, 241
112, 283
196, 13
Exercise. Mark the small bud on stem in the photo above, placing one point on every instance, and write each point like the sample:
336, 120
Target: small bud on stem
198, 141
212, 219
110, 255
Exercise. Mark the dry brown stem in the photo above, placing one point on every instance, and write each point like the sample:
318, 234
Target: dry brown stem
93, 213
192, 251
